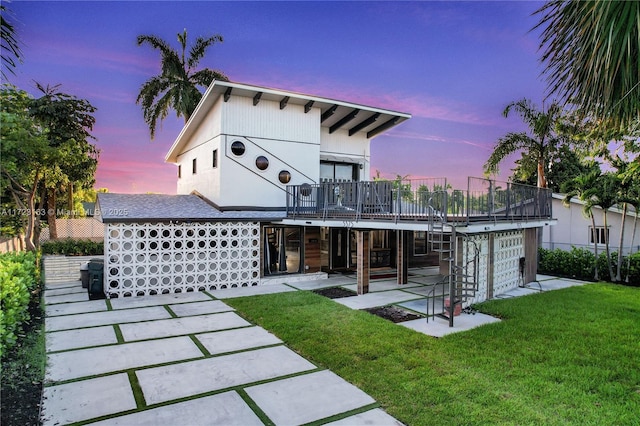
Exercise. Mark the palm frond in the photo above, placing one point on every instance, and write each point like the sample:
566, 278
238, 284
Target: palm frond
200, 47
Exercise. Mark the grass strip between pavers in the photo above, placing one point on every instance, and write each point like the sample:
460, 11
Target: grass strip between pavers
562, 357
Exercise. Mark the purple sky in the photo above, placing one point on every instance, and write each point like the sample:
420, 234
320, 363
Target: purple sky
453, 65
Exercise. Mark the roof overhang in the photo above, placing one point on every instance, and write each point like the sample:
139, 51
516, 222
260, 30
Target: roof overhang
334, 114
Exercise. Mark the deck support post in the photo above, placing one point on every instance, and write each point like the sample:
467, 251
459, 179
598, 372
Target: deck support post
402, 261
530, 255
363, 253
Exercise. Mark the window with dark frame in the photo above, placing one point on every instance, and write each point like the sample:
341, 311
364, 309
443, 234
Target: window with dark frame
179, 171
193, 166
601, 235
215, 158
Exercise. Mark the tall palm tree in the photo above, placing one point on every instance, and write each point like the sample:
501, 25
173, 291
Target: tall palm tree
607, 196
539, 143
177, 85
591, 53
11, 53
583, 186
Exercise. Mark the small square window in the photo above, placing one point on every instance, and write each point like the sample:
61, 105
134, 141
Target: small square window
601, 235
193, 166
215, 158
179, 172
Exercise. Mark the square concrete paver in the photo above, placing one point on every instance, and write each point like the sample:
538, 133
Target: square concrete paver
234, 340
323, 283
158, 299
75, 308
86, 399
92, 361
377, 416
226, 408
371, 300
200, 308
66, 290
65, 298
181, 326
385, 285
228, 293
81, 338
185, 379
105, 318
439, 327
306, 398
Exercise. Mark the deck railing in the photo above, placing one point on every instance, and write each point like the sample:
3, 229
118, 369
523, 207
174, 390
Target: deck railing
484, 200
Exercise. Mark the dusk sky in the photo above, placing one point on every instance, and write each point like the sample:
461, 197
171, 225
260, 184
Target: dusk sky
453, 66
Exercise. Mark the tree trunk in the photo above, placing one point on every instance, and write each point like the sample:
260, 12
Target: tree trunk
620, 246
542, 179
51, 214
633, 236
31, 217
594, 234
72, 213
606, 244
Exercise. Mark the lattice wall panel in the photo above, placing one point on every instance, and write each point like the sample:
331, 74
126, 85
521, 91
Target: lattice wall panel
508, 249
146, 259
482, 242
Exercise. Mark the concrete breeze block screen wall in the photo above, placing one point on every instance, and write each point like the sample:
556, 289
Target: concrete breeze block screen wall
155, 258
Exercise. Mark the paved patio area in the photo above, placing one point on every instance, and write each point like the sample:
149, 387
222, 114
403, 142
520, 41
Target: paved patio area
190, 359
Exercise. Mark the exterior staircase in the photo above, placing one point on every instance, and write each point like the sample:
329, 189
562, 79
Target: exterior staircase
459, 258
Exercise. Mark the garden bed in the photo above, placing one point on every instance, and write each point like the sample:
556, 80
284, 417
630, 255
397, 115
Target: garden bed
393, 313
335, 292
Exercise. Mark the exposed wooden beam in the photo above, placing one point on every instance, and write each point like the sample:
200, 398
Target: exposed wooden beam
227, 94
384, 126
283, 102
308, 106
328, 113
369, 121
344, 120
256, 98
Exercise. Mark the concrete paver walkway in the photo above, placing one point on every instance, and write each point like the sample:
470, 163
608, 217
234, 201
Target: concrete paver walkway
190, 359
182, 359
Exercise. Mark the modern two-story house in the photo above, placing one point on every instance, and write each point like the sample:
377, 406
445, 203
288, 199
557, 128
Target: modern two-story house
276, 184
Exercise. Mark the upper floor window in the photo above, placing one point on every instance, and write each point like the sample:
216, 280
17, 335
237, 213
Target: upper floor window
237, 148
601, 234
193, 166
333, 171
179, 171
215, 158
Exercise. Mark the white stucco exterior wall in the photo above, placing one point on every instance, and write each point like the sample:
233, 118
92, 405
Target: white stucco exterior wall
573, 228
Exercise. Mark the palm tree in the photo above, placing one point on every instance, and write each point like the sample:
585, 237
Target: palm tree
541, 141
9, 43
606, 196
591, 53
583, 186
177, 85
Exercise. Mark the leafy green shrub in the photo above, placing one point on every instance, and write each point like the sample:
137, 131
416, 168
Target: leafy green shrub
580, 263
19, 282
73, 247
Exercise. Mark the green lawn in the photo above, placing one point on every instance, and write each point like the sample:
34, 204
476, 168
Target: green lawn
563, 357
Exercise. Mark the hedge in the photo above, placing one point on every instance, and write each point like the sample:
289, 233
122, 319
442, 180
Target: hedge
19, 282
72, 247
579, 263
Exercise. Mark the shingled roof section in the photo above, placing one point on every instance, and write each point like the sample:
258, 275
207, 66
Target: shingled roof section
115, 208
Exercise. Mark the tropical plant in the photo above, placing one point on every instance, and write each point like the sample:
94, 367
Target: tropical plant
69, 121
538, 144
176, 87
591, 50
607, 196
9, 44
583, 186
25, 154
